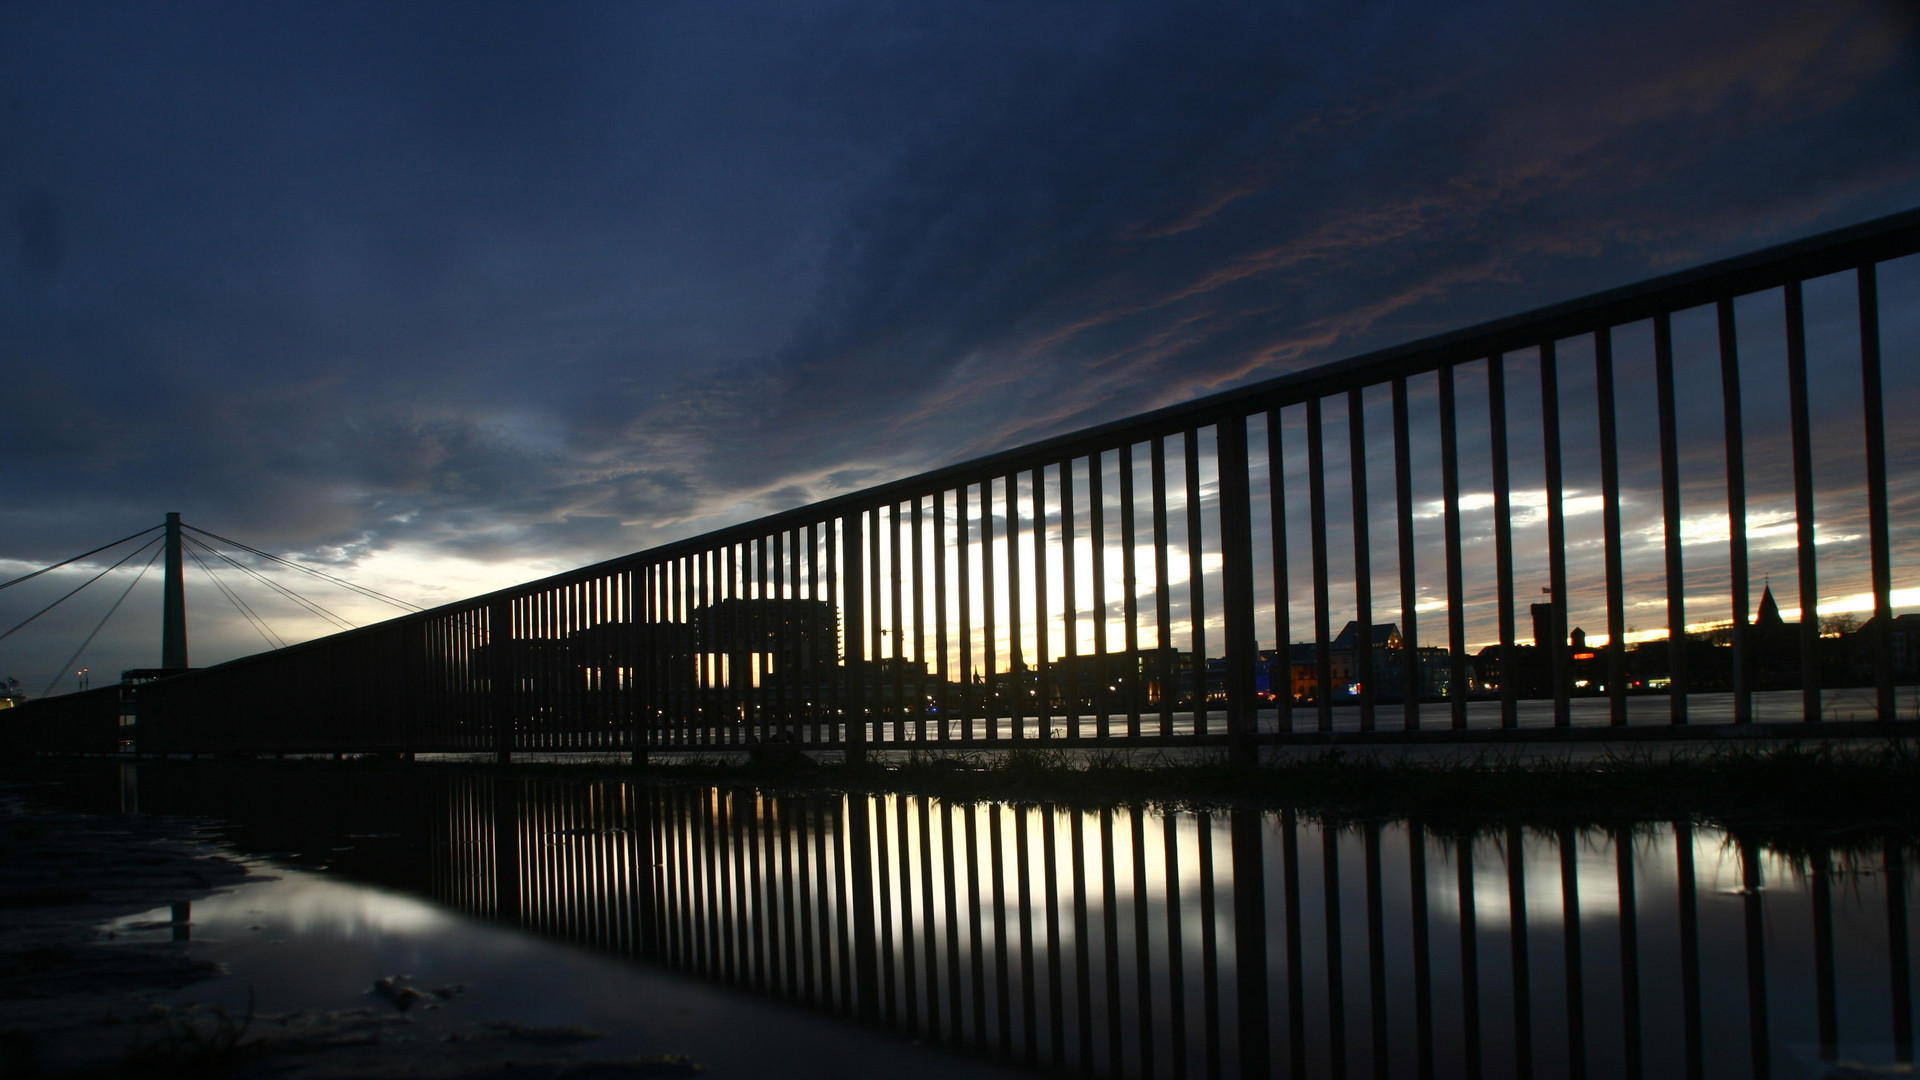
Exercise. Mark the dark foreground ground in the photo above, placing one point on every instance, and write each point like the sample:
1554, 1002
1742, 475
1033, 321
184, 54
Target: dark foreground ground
76, 1002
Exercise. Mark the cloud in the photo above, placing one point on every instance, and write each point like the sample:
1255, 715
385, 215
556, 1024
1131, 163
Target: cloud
561, 285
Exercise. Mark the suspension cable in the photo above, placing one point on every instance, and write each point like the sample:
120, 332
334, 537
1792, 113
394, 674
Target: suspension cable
303, 568
82, 585
58, 675
77, 558
258, 624
305, 602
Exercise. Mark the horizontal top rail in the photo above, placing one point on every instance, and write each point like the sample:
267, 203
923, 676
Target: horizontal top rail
1870, 242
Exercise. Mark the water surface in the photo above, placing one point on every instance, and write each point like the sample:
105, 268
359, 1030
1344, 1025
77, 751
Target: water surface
1110, 941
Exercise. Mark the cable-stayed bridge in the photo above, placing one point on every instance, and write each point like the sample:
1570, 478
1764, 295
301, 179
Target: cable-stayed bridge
1338, 555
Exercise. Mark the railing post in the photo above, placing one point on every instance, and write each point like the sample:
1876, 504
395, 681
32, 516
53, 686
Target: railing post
853, 619
500, 677
1236, 551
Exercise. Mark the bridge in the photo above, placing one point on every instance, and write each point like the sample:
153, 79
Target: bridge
1113, 587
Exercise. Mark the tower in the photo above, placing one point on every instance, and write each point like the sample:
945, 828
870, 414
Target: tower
173, 608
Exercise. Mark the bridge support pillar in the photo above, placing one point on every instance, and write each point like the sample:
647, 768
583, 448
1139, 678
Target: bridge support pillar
173, 604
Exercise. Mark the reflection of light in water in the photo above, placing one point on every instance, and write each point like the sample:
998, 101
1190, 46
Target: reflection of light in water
309, 904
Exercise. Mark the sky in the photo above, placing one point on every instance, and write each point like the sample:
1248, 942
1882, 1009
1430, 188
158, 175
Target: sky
447, 297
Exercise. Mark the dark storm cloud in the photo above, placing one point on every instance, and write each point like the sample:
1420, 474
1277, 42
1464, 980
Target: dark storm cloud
559, 282
43, 236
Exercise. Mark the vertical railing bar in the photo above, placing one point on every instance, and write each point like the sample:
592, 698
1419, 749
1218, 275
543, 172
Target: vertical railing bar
1736, 510
1110, 944
1403, 504
783, 550
1317, 510
1503, 538
1142, 915
898, 622
1130, 588
1176, 954
1422, 950
873, 676
1572, 965
1759, 1040
1376, 952
1677, 682
711, 592
879, 883
1803, 501
1023, 878
1209, 946
1331, 910
1893, 865
1686, 899
1042, 616
997, 878
687, 669
1072, 676
809, 869
1196, 581
675, 653
1876, 434
989, 629
817, 667
1282, 666
976, 936
1236, 582
1016, 681
854, 607
940, 657
919, 620
1456, 613
1610, 525
764, 628
1293, 930
929, 929
1056, 989
1162, 589
1826, 1000
963, 509
1556, 533
734, 702
1631, 1042
1097, 548
1362, 553
1517, 946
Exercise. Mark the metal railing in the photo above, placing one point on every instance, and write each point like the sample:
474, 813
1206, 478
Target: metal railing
1116, 585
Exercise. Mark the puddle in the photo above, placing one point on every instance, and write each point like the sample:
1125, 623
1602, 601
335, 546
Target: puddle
300, 941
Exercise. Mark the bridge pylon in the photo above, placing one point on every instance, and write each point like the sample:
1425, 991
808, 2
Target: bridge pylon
173, 613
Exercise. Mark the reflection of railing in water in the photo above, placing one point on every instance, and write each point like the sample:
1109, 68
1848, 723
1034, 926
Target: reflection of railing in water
1123, 941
